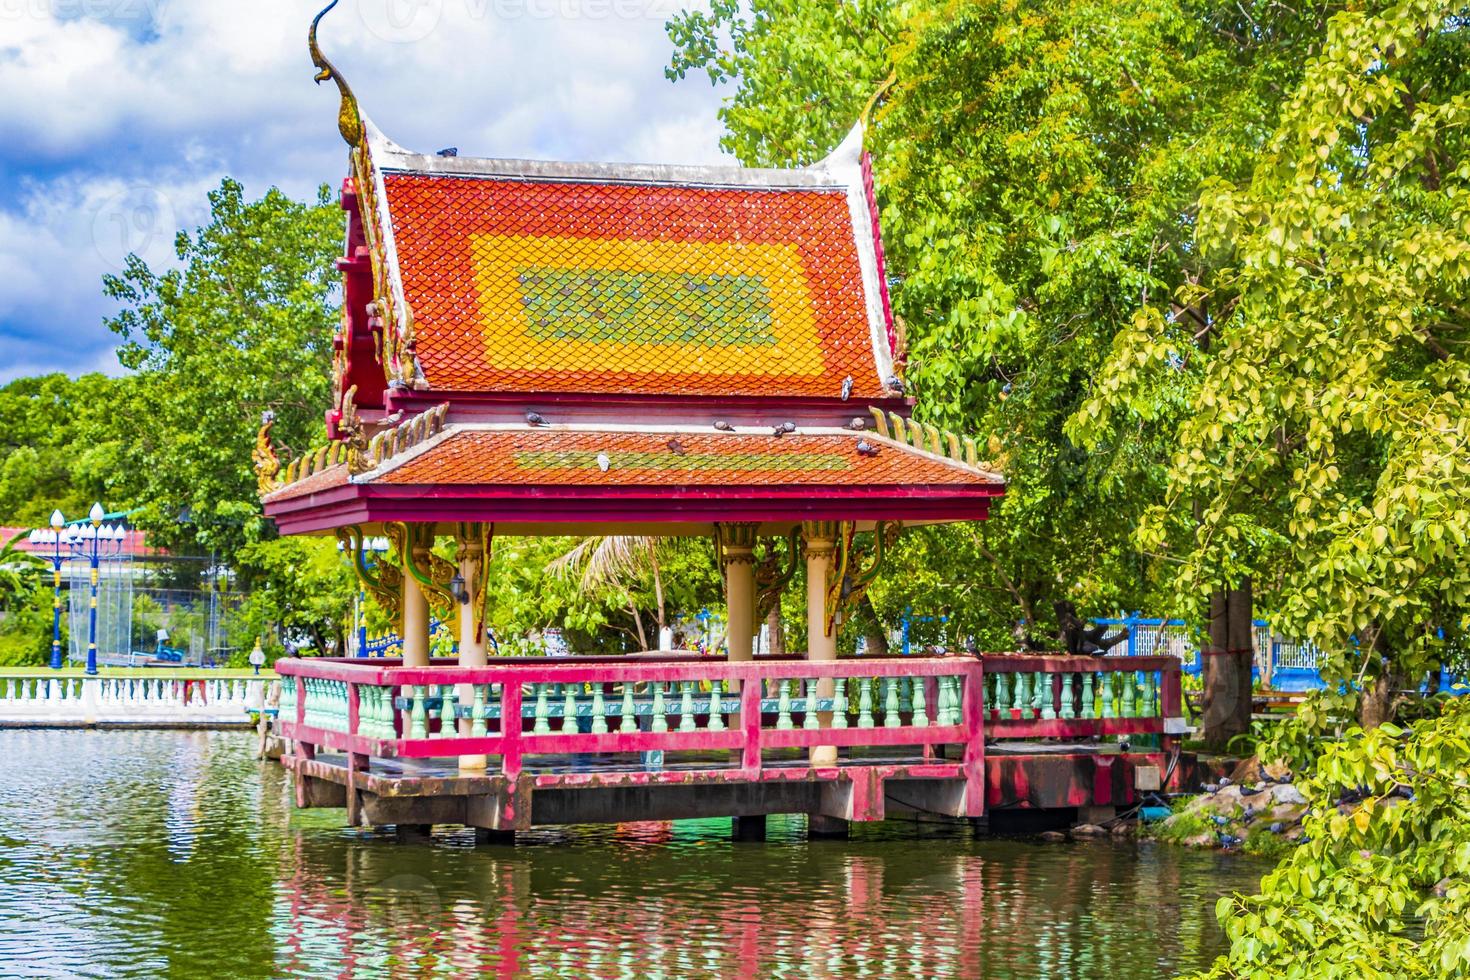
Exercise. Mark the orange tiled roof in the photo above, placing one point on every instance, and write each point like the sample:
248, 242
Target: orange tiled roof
498, 457
661, 459
622, 279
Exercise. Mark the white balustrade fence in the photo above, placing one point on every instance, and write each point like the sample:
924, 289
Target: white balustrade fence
142, 701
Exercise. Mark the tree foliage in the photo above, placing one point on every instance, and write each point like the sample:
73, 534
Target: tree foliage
1326, 450
62, 443
244, 326
1038, 169
1381, 885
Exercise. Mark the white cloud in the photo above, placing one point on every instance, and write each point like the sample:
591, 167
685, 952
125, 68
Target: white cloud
120, 114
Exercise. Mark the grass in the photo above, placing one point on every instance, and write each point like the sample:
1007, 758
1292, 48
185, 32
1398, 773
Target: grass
161, 673
1181, 827
1263, 843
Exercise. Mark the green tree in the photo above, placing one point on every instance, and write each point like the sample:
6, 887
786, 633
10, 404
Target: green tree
297, 589
1038, 167
61, 445
1326, 450
243, 327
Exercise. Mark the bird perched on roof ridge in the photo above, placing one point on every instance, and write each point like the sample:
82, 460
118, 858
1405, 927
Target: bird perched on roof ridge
535, 418
858, 425
784, 428
866, 448
676, 447
724, 426
894, 384
603, 462
448, 151
846, 387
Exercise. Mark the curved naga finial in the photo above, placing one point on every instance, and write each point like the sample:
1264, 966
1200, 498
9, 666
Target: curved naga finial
349, 121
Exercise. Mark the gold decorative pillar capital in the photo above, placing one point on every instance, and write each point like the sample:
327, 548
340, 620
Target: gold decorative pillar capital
737, 542
821, 537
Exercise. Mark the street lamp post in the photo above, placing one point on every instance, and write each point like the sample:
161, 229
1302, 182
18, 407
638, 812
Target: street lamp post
51, 538
93, 541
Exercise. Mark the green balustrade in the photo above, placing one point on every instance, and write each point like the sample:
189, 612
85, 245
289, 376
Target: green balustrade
921, 710
809, 718
1040, 692
716, 721
1089, 697
569, 710
418, 715
1130, 680
686, 706
479, 711
1069, 711
1020, 695
660, 712
629, 717
783, 705
839, 703
865, 703
1002, 692
448, 696
1048, 700
890, 703
542, 717
599, 710
1150, 705
1105, 686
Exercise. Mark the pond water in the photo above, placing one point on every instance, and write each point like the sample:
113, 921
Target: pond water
149, 854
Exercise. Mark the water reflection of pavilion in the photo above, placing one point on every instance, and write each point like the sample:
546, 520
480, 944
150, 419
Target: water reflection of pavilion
653, 906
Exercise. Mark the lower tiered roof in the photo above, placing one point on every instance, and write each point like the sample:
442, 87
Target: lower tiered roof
539, 477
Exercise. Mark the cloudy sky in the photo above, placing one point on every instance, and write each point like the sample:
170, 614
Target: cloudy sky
117, 116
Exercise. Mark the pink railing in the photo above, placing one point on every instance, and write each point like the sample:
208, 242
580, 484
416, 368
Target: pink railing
1046, 696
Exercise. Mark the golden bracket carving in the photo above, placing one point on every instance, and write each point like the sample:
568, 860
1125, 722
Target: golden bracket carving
855, 568
771, 579
415, 546
385, 582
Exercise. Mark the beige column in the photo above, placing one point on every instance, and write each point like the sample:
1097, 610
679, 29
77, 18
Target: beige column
821, 539
471, 646
737, 543
415, 623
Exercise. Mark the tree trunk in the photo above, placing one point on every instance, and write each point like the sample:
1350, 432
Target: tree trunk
1379, 703
1227, 659
873, 632
773, 627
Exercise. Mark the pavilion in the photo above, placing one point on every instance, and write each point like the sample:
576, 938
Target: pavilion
533, 348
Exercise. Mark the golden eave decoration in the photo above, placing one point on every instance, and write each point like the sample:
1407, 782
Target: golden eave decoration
349, 119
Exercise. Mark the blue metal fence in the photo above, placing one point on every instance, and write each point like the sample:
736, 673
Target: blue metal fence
1284, 664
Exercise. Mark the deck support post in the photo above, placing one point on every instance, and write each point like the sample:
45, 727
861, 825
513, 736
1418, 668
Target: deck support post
749, 829
820, 538
820, 826
485, 835
472, 566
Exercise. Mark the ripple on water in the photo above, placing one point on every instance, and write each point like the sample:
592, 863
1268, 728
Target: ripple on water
140, 854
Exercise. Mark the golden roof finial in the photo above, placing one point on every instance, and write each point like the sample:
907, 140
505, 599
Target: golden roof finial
349, 121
